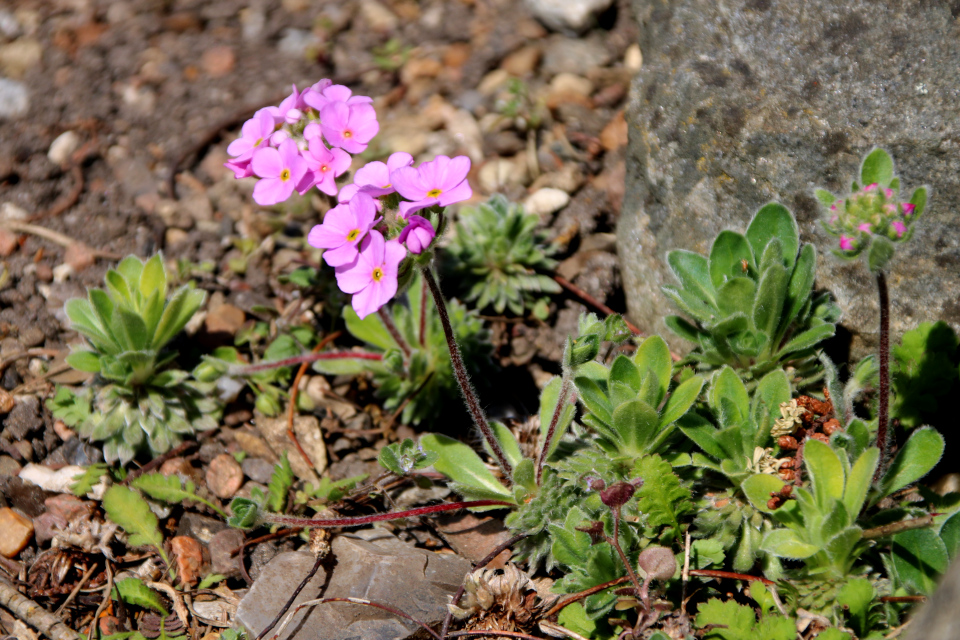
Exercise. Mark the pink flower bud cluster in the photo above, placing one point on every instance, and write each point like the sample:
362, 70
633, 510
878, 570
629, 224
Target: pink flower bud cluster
874, 211
375, 224
304, 143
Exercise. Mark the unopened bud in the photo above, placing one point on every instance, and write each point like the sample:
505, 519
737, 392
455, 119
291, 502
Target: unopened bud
618, 494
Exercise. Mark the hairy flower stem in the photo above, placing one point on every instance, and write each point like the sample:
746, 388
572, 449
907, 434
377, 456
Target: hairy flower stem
884, 408
329, 523
552, 429
460, 371
245, 370
423, 316
615, 541
392, 330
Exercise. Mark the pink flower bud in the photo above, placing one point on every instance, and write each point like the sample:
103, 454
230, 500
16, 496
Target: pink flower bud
865, 227
908, 208
899, 227
846, 243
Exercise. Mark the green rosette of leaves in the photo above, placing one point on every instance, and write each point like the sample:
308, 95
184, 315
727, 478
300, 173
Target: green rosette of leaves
137, 400
751, 303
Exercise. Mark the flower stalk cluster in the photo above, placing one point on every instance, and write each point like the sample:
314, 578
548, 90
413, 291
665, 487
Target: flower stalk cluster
873, 211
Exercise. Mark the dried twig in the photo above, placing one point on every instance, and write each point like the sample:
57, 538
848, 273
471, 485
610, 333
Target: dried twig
33, 614
103, 602
886, 530
295, 390
176, 597
563, 602
710, 573
76, 590
55, 237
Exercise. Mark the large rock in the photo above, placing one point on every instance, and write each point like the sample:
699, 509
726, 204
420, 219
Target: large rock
746, 101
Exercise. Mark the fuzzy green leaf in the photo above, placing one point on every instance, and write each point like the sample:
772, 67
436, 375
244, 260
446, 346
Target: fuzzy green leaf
774, 221
736, 296
728, 255
825, 469
549, 399
728, 396
280, 482
636, 424
508, 442
245, 513
856, 596
83, 482
371, 329
169, 489
881, 252
950, 534
924, 373
918, 456
784, 543
858, 481
825, 197
575, 618
180, 308
683, 328
593, 398
919, 558
126, 508
810, 338
133, 591
626, 372
153, 278
801, 282
461, 464
661, 497
758, 488
877, 168
653, 357
703, 435
693, 273
771, 294
919, 201
84, 361
681, 400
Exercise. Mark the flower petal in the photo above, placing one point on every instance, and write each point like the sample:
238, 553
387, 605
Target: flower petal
266, 163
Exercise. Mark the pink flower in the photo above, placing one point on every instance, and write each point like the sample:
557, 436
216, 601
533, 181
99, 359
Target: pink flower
865, 227
908, 208
441, 181
890, 209
418, 234
899, 227
319, 97
870, 187
255, 134
372, 279
324, 165
290, 110
240, 166
374, 177
888, 193
280, 169
343, 228
846, 243
349, 127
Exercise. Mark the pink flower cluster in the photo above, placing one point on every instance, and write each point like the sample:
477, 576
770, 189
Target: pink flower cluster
284, 145
872, 211
306, 142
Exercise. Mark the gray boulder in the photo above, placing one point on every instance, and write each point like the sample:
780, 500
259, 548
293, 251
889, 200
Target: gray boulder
743, 102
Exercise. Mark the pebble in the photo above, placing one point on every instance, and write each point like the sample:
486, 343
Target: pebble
570, 83
46, 526
224, 476
23, 419
79, 256
307, 430
203, 528
15, 532
7, 401
614, 135
633, 58
522, 62
296, 43
19, 56
9, 466
546, 201
218, 61
378, 16
253, 445
62, 146
492, 82
74, 452
189, 556
474, 537
9, 25
499, 173
563, 15
220, 547
225, 319
568, 55
14, 99
257, 469
8, 243
569, 178
8, 210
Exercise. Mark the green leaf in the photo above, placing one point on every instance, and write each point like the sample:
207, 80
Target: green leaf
169, 489
683, 328
371, 329
508, 442
706, 552
859, 480
582, 350
881, 252
919, 201
653, 357
83, 482
736, 296
856, 596
126, 508
768, 305
758, 488
801, 283
593, 398
784, 543
84, 361
178, 311
153, 278
950, 534
772, 391
774, 221
919, 558
211, 579
133, 591
877, 168
809, 339
133, 330
693, 273
825, 197
661, 497
681, 400
728, 386
280, 482
731, 621
461, 464
549, 401
703, 435
119, 290
825, 469
575, 618
636, 424
245, 513
729, 254
344, 366
625, 372
918, 456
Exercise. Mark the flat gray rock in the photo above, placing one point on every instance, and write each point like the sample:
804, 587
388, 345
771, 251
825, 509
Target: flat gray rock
373, 565
744, 102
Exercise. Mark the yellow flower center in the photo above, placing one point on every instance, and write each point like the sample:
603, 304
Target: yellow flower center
257, 143
353, 235
377, 274
324, 168
285, 175
433, 193
348, 134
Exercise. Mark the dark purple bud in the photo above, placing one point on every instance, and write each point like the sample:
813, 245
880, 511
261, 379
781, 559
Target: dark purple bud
596, 484
595, 531
618, 494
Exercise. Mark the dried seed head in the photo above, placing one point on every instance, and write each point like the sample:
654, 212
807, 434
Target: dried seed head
787, 474
832, 426
787, 443
791, 418
821, 437
658, 563
617, 494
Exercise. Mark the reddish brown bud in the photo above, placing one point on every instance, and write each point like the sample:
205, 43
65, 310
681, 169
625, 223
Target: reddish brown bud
787, 442
821, 437
787, 474
788, 463
773, 503
617, 494
832, 426
786, 491
812, 405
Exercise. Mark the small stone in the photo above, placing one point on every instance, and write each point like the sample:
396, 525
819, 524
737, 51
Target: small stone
218, 61
522, 62
8, 210
221, 546
68, 506
497, 174
224, 477
633, 58
8, 243
14, 99
44, 272
63, 431
254, 446
7, 401
61, 272
202, 528
9, 466
562, 15
46, 526
15, 532
173, 236
379, 17
32, 336
492, 82
9, 25
614, 135
474, 537
210, 450
576, 56
297, 43
20, 56
189, 556
23, 419
546, 201
416, 68
568, 83
257, 469
307, 430
62, 147
74, 452
225, 319
79, 256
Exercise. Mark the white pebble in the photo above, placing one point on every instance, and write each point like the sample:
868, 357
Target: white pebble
546, 201
64, 145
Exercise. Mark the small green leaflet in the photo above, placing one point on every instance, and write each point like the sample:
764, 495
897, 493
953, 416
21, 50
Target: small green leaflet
169, 489
83, 482
128, 509
280, 483
133, 591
